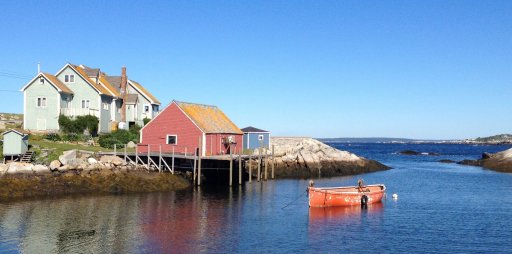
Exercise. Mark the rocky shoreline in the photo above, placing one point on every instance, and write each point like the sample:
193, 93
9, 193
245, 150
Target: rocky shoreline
501, 161
80, 173
297, 157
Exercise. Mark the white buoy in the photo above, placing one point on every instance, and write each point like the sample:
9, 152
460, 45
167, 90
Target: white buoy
395, 196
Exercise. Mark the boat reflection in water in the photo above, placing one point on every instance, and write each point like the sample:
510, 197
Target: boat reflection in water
318, 214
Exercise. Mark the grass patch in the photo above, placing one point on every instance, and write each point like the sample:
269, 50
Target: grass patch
47, 151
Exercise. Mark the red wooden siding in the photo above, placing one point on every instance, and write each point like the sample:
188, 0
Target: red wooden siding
214, 144
171, 121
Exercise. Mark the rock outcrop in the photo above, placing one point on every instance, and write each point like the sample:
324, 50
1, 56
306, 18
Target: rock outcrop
501, 161
307, 157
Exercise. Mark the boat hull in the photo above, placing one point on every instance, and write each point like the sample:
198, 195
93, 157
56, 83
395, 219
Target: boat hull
345, 196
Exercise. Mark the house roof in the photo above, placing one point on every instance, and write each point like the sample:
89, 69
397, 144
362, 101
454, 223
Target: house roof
115, 81
101, 89
145, 92
132, 98
109, 86
53, 81
56, 82
210, 119
17, 131
253, 129
91, 72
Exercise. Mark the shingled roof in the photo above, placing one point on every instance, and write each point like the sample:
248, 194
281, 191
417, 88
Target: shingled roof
210, 119
56, 82
253, 129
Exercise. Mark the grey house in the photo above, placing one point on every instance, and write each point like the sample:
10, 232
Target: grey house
81, 90
254, 138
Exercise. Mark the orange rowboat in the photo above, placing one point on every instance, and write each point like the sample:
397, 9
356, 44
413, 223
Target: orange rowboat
345, 196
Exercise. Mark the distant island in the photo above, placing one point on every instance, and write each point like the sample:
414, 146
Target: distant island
491, 140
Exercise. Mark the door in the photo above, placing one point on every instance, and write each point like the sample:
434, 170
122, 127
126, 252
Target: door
41, 124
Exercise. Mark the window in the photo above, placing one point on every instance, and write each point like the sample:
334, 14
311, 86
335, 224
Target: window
41, 80
69, 78
146, 108
41, 102
260, 137
172, 139
105, 106
85, 103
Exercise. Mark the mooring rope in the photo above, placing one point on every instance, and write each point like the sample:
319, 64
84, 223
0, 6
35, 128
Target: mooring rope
295, 199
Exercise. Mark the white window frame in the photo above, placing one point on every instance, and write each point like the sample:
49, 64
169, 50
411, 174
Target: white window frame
175, 139
41, 80
144, 108
105, 106
69, 78
85, 103
39, 102
261, 137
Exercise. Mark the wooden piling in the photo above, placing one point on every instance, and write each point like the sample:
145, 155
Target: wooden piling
172, 161
125, 153
160, 159
250, 168
199, 163
273, 162
230, 167
259, 164
149, 153
265, 162
115, 149
136, 156
194, 169
240, 168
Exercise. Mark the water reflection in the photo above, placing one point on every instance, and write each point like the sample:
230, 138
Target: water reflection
93, 224
318, 214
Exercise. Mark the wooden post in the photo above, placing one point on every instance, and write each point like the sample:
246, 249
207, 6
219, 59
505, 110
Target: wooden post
195, 165
250, 168
259, 164
230, 166
115, 149
136, 156
125, 153
266, 162
149, 152
160, 159
240, 168
172, 162
199, 163
273, 162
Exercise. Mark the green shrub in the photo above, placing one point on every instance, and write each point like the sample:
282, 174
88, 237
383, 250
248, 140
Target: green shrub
119, 137
108, 142
52, 136
79, 124
71, 137
146, 120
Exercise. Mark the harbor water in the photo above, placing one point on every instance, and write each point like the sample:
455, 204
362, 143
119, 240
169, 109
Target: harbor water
441, 208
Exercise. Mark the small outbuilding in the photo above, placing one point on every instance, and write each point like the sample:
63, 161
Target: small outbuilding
15, 143
184, 127
254, 138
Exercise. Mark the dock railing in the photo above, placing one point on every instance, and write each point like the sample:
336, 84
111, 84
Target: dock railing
152, 156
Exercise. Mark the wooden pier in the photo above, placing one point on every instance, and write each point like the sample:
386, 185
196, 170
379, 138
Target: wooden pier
214, 166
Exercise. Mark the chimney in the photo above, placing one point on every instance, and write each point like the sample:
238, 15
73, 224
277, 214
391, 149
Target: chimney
124, 81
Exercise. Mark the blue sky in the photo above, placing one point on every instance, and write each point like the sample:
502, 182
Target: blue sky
415, 69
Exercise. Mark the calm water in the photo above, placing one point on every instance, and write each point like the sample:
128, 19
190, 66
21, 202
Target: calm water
441, 208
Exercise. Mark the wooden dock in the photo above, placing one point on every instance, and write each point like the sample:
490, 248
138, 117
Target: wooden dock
214, 166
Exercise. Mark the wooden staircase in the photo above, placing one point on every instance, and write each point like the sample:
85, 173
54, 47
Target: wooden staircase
27, 156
